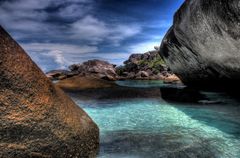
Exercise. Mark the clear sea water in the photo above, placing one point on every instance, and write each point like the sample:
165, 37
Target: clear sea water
155, 128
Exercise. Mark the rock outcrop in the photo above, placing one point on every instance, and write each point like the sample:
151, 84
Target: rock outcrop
36, 118
203, 45
148, 63
146, 66
96, 68
91, 68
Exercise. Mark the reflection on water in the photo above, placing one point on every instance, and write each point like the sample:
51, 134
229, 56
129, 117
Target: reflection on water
154, 128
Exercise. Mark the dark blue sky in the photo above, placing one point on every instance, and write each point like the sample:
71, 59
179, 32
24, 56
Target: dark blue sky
57, 33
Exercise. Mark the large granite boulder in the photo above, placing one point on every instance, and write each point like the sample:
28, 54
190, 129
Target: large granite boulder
36, 118
203, 45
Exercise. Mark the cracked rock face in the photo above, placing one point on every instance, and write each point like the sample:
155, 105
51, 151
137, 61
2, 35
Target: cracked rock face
36, 118
203, 45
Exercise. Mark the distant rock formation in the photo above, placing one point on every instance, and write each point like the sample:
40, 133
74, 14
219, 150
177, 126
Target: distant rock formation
203, 45
36, 118
91, 68
147, 66
149, 61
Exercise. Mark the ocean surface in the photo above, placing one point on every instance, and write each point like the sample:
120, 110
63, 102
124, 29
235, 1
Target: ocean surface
162, 128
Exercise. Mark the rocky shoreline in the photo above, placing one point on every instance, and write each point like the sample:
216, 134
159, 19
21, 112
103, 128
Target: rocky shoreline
147, 66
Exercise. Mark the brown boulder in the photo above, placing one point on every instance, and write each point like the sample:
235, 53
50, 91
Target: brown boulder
36, 118
78, 82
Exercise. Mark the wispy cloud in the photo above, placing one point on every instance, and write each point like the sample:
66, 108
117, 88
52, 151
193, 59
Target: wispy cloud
95, 30
143, 47
61, 54
30, 22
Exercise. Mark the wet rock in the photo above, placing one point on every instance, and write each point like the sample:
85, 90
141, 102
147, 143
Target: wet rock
202, 47
36, 118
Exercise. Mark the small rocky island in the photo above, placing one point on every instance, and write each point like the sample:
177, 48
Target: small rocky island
37, 119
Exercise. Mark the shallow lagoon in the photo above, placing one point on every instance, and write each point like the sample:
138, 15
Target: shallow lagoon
154, 128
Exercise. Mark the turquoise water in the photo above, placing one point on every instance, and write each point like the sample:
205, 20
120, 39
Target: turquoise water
147, 84
154, 128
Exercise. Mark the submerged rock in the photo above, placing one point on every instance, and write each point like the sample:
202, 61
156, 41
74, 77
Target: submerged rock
36, 118
202, 47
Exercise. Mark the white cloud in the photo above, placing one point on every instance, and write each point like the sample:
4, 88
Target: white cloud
92, 29
31, 16
28, 18
110, 56
61, 54
74, 11
29, 22
26, 4
122, 32
58, 57
27, 9
70, 48
159, 24
143, 47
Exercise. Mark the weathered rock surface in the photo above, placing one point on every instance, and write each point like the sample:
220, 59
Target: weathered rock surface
36, 118
203, 45
79, 82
